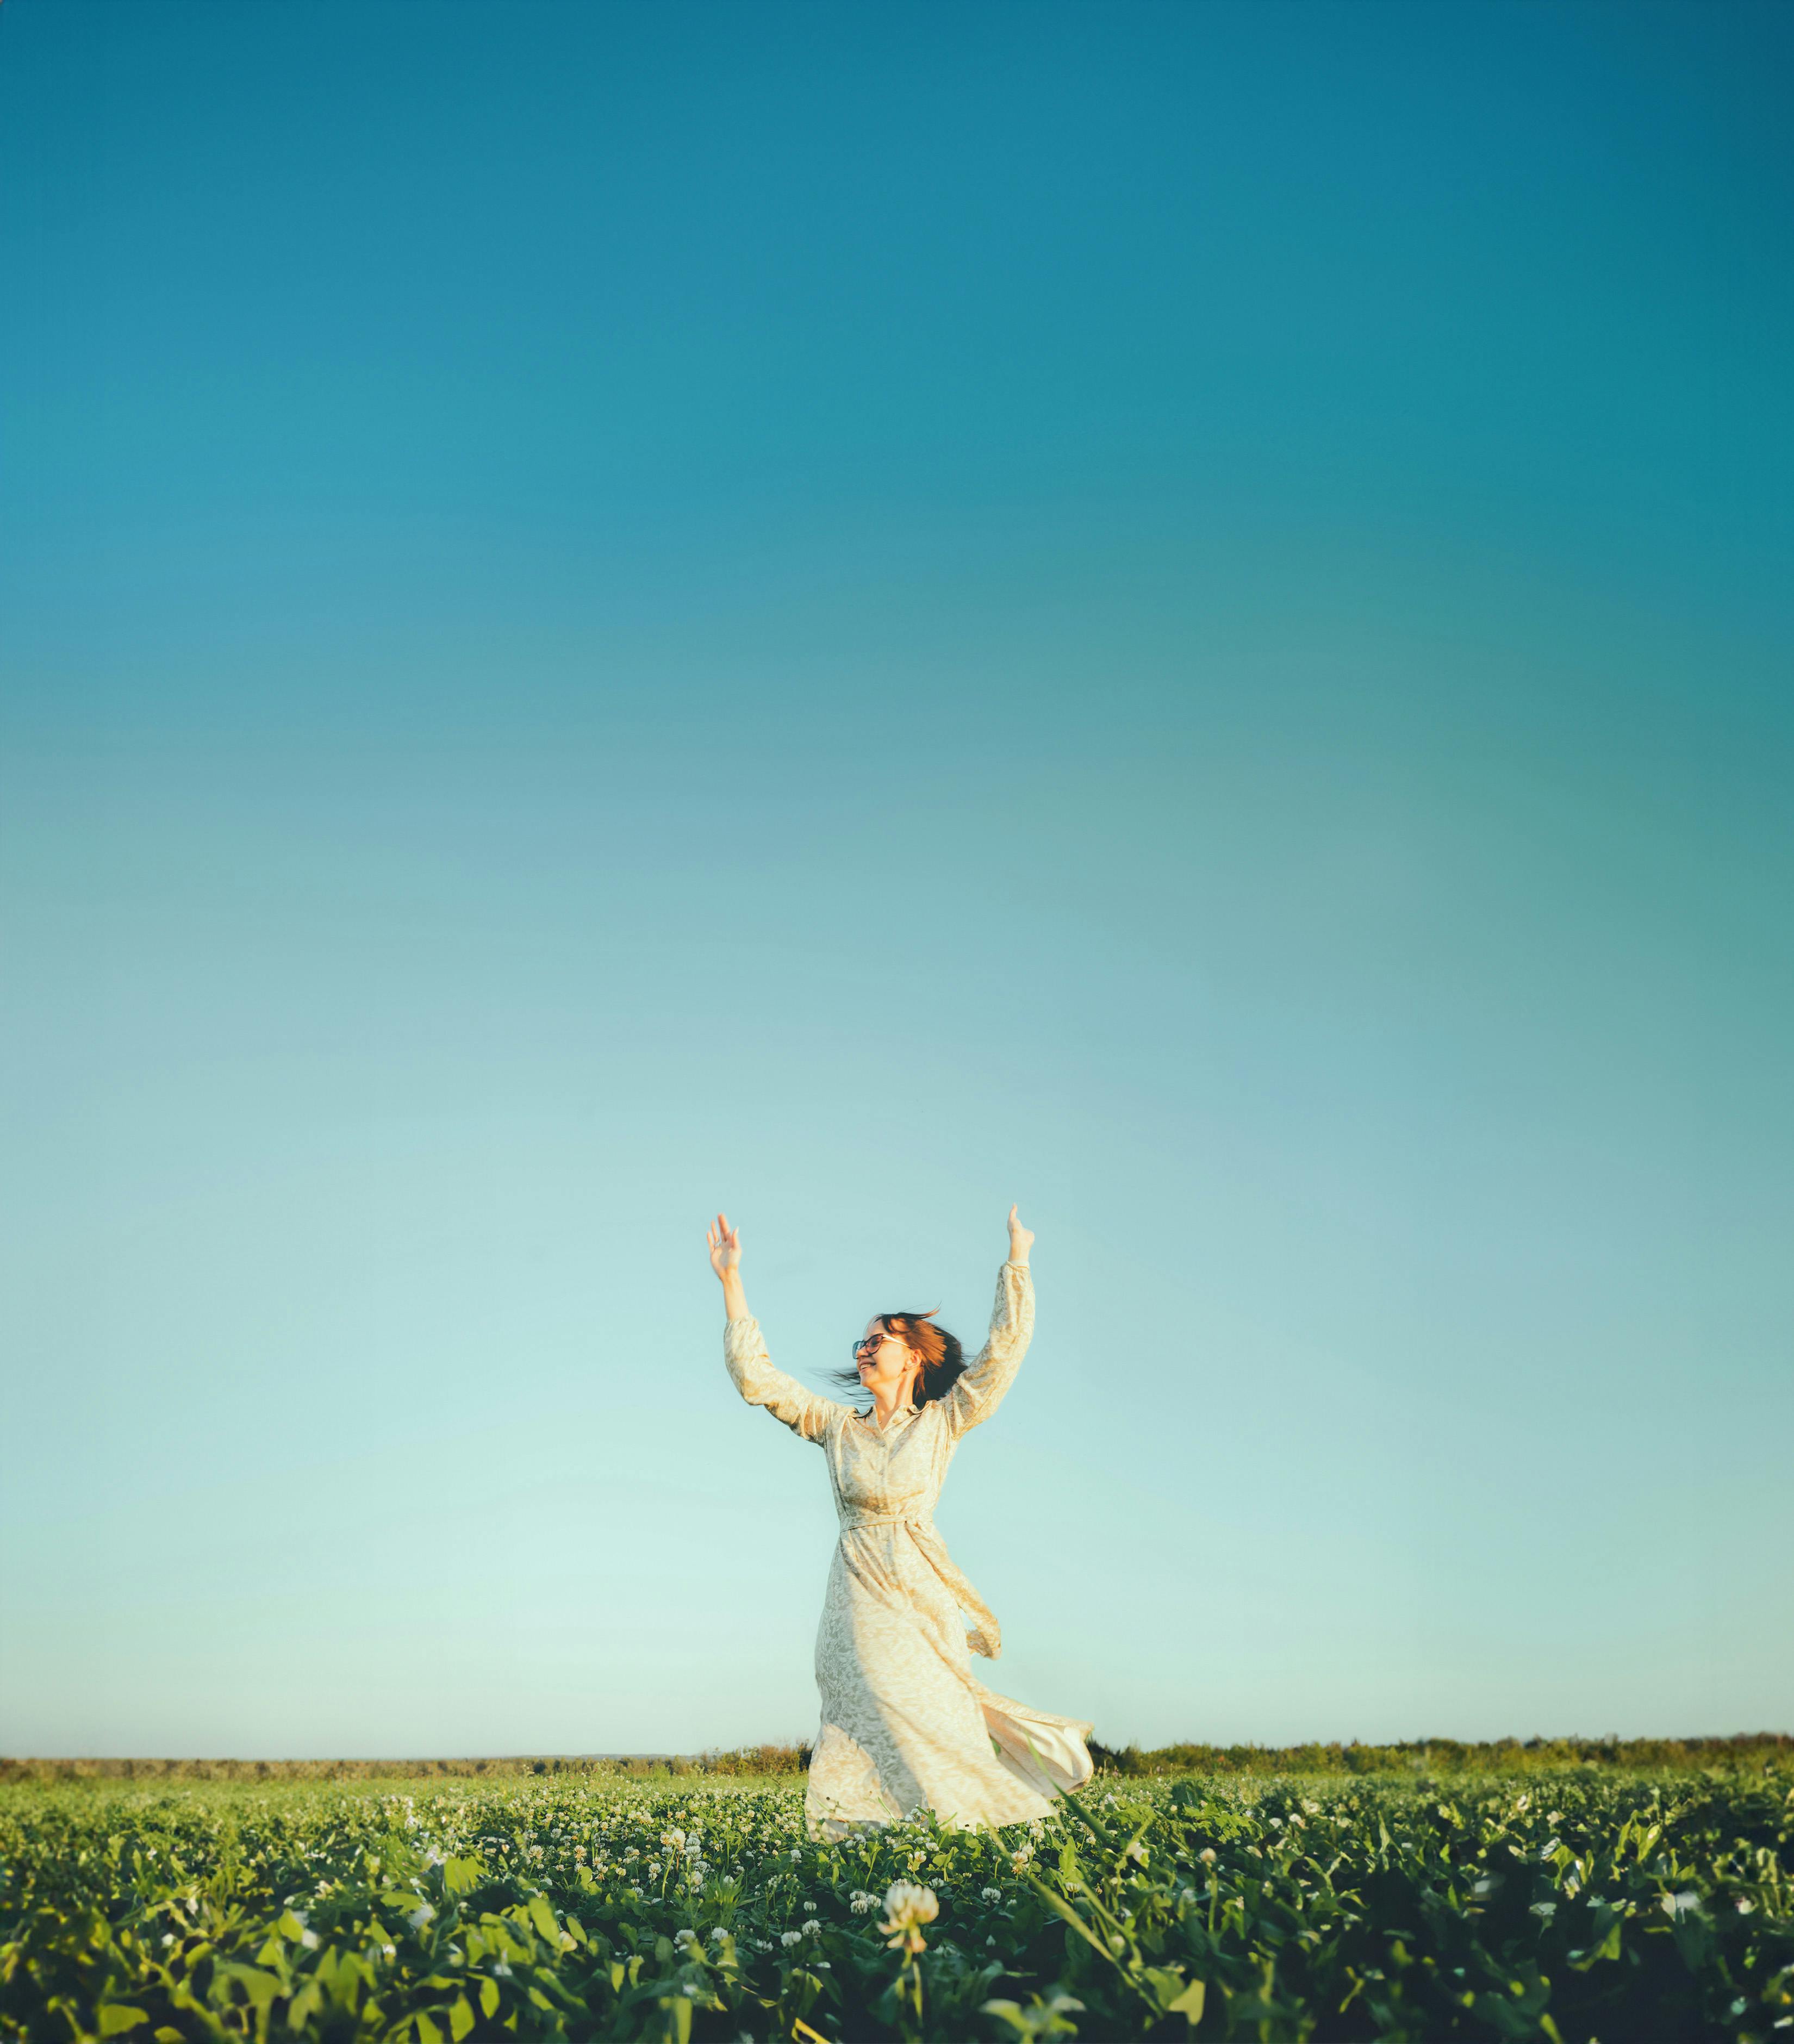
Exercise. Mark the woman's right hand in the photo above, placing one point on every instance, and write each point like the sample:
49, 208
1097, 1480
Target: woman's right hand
725, 1247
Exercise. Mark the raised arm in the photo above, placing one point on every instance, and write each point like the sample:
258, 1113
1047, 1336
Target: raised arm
987, 1375
725, 1260
744, 1348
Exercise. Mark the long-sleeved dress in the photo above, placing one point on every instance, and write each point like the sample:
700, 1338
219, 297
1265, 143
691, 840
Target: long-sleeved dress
905, 1723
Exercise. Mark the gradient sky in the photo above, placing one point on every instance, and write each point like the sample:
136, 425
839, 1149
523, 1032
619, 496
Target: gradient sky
1178, 614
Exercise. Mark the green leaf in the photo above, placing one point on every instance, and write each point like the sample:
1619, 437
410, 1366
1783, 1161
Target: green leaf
1188, 2004
305, 2005
1608, 1947
259, 1987
117, 2017
542, 1916
488, 1997
460, 2017
428, 2031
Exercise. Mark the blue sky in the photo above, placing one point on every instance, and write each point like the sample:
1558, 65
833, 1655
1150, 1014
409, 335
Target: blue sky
1177, 614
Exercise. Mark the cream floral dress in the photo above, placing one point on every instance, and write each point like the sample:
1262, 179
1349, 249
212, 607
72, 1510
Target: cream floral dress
905, 1723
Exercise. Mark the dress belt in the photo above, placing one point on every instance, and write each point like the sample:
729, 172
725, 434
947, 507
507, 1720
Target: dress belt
985, 1636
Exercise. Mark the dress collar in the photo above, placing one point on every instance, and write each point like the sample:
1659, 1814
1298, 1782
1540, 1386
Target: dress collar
901, 1418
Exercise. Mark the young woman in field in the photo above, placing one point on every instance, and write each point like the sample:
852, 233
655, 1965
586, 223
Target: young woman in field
905, 1723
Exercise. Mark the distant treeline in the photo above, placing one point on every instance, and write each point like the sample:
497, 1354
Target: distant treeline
1434, 1756
743, 1760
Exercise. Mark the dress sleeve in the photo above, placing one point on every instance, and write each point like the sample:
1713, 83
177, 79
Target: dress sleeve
990, 1373
745, 1351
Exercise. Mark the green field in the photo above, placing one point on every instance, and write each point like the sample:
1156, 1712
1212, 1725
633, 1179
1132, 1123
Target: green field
1569, 1903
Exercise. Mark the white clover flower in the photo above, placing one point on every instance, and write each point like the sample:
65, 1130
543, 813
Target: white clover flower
990, 1894
1207, 1855
796, 1854
812, 1928
717, 1934
859, 1902
907, 1908
1679, 1904
1744, 1905
167, 1936
790, 1936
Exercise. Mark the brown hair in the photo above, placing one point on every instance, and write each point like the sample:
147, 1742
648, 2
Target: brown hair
943, 1359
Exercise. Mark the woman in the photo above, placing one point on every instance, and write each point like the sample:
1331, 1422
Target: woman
905, 1723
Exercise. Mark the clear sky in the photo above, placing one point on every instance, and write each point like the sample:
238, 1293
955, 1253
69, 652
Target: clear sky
1178, 614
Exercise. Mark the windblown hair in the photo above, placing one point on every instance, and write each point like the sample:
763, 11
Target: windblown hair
943, 1361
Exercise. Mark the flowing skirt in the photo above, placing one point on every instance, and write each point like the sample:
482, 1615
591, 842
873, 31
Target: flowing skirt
905, 1723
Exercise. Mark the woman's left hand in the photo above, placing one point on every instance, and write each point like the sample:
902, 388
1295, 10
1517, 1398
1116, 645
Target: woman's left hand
1021, 1239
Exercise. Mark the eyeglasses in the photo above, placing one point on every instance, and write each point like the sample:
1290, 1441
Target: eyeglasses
872, 1342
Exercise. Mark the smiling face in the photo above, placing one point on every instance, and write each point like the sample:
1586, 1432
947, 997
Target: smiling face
885, 1365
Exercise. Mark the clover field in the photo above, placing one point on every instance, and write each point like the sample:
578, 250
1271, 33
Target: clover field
1573, 1907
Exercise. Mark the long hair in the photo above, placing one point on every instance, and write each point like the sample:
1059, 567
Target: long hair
943, 1361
